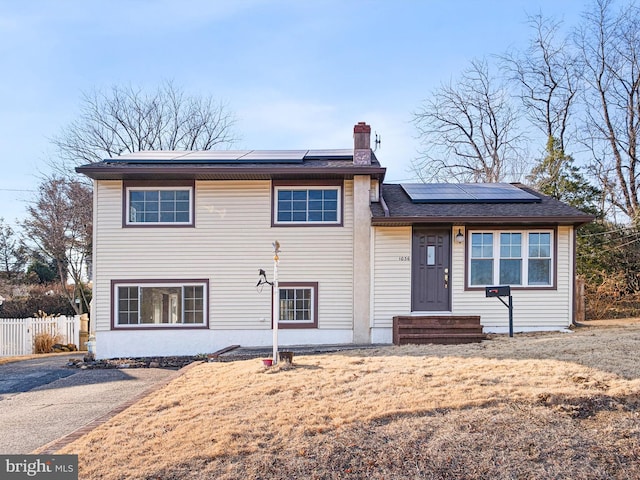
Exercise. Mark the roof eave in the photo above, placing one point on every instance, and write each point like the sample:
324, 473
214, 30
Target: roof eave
100, 172
502, 220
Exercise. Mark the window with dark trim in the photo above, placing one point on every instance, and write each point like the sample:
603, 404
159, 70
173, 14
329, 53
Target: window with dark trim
158, 205
511, 257
298, 305
159, 304
307, 205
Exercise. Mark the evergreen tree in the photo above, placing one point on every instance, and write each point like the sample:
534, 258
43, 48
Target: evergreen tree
557, 176
45, 271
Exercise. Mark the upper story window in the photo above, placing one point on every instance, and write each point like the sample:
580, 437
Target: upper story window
308, 205
300, 204
516, 258
159, 205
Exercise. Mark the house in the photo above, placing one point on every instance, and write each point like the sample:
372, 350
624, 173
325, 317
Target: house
179, 238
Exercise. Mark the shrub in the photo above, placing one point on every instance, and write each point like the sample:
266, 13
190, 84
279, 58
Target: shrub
28, 306
610, 298
44, 342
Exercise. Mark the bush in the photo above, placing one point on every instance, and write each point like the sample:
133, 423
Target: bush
610, 298
44, 342
28, 306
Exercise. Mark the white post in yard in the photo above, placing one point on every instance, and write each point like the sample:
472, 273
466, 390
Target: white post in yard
276, 300
27, 340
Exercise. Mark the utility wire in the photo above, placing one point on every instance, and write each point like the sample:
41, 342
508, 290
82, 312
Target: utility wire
611, 248
621, 229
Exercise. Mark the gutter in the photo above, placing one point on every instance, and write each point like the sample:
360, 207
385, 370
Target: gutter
485, 220
122, 173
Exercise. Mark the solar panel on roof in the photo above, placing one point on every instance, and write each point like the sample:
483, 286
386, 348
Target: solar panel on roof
212, 157
274, 155
229, 156
467, 193
217, 154
149, 155
330, 153
423, 192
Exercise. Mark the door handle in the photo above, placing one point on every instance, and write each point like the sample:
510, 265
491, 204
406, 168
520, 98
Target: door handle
446, 278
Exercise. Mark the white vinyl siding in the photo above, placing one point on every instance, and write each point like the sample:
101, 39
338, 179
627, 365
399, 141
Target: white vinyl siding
539, 308
231, 240
391, 274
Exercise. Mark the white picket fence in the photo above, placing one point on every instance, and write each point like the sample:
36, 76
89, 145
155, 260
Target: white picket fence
17, 334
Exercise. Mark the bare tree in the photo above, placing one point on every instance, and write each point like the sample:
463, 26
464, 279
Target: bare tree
469, 130
609, 45
13, 256
59, 226
547, 75
126, 120
120, 120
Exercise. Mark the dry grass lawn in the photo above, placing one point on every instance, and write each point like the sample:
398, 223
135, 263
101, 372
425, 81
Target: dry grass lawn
552, 405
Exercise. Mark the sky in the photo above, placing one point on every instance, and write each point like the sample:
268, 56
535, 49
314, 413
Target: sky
295, 74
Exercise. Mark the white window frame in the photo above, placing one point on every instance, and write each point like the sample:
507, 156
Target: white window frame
279, 188
129, 189
524, 257
158, 284
313, 308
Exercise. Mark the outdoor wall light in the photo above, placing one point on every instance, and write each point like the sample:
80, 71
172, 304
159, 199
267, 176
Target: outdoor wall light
459, 236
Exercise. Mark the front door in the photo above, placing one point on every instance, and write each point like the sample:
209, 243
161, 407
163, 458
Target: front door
430, 269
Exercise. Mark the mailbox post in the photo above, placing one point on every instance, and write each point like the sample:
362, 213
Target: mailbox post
499, 292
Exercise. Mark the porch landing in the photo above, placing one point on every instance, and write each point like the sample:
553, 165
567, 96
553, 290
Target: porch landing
437, 329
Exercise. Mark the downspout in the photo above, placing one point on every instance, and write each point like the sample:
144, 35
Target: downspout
573, 276
385, 208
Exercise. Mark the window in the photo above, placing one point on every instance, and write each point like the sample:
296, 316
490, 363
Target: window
298, 305
159, 205
481, 258
517, 258
167, 304
307, 205
539, 259
510, 259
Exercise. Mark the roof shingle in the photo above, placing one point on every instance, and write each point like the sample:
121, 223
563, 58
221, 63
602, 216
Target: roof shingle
402, 211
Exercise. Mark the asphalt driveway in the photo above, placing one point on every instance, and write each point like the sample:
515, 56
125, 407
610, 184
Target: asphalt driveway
42, 400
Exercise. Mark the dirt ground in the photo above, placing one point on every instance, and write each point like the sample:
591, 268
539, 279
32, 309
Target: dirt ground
543, 405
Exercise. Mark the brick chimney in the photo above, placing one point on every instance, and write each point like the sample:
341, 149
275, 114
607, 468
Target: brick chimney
362, 144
